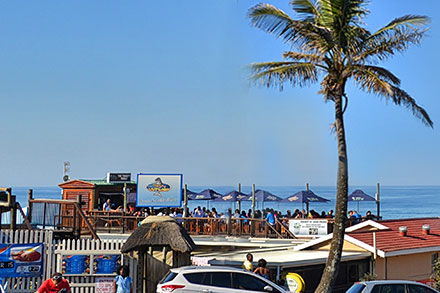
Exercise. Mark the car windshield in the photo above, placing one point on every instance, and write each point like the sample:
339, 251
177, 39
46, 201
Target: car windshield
356, 288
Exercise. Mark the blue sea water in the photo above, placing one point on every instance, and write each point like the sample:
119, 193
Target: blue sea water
396, 202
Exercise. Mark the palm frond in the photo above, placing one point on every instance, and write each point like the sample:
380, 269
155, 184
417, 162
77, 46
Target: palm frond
272, 20
277, 73
401, 97
305, 35
343, 16
385, 45
381, 72
412, 21
306, 9
371, 82
298, 56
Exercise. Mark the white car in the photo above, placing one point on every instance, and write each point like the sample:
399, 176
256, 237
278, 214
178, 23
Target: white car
390, 286
215, 279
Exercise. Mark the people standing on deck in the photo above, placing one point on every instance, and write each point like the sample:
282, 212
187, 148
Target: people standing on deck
262, 270
369, 216
330, 214
107, 207
356, 217
247, 264
270, 218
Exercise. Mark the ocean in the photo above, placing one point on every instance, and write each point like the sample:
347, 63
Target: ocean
396, 202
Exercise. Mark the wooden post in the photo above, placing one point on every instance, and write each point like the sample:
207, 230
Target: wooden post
253, 211
29, 211
78, 217
9, 192
13, 210
44, 215
229, 221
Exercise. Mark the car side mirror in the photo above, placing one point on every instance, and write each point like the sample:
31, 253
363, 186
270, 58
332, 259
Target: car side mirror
268, 288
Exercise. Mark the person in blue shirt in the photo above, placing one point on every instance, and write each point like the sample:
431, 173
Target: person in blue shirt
270, 217
357, 217
123, 281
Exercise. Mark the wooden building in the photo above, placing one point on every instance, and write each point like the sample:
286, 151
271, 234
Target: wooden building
94, 193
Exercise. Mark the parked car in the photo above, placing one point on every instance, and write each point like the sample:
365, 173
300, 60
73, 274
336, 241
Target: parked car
215, 279
390, 286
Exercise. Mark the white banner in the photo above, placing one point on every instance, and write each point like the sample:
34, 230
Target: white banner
305, 227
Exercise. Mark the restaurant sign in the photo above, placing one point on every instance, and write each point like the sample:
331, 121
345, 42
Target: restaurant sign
21, 260
118, 177
306, 227
159, 190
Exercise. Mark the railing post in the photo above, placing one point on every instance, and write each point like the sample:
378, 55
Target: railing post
229, 222
29, 211
79, 220
44, 215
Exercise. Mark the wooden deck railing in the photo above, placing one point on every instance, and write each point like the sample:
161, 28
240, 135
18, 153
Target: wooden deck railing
118, 222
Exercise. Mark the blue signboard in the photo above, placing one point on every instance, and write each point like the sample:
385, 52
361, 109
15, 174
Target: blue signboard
159, 190
21, 260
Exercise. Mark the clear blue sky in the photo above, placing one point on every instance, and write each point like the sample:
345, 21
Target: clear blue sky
162, 86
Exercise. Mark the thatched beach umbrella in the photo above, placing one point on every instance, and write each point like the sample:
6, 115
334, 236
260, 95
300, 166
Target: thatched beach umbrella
159, 231
161, 243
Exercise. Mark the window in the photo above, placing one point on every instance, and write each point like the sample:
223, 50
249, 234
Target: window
218, 279
420, 289
195, 278
389, 288
248, 282
434, 258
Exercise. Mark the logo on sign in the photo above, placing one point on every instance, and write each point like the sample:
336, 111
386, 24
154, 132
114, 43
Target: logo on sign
158, 186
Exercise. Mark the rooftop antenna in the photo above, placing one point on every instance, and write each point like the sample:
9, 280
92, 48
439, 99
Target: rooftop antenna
66, 171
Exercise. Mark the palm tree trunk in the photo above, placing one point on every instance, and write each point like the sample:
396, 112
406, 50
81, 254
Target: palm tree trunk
332, 266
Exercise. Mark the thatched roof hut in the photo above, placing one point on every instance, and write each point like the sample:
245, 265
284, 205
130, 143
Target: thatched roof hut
159, 231
161, 243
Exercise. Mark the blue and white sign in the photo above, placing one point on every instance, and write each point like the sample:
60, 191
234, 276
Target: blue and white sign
159, 190
21, 260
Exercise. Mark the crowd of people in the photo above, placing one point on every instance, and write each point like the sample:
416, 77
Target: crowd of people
270, 215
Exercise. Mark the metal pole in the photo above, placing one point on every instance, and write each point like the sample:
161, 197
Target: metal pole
125, 197
307, 187
239, 202
378, 201
253, 200
124, 209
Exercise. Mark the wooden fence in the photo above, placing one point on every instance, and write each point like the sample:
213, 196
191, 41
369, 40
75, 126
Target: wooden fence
55, 253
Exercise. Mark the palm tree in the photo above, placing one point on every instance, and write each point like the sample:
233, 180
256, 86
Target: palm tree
329, 45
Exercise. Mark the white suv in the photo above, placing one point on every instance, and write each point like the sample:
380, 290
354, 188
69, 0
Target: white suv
215, 279
390, 286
